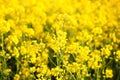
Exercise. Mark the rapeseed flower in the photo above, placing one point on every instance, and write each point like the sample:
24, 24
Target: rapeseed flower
59, 39
109, 73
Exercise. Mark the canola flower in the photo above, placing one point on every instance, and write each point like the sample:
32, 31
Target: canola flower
59, 40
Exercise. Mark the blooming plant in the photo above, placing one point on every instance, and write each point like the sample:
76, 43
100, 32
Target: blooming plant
59, 40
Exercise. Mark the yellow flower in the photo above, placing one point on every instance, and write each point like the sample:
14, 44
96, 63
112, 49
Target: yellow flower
15, 52
17, 77
14, 39
4, 26
72, 48
74, 67
25, 72
23, 50
97, 30
32, 69
118, 55
45, 56
56, 71
76, 35
106, 52
7, 71
108, 73
33, 58
28, 3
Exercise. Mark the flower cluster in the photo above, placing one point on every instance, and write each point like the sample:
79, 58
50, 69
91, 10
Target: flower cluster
59, 40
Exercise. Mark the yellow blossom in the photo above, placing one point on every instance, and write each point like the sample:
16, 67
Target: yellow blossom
108, 73
16, 77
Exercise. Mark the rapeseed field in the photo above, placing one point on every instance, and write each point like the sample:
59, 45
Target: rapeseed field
59, 39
